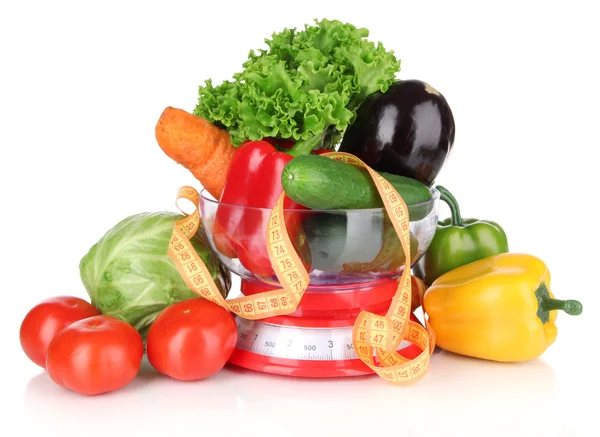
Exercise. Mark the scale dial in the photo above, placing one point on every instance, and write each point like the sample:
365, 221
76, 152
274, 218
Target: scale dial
297, 343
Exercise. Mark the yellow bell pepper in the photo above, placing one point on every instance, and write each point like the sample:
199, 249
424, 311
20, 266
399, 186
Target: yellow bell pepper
499, 308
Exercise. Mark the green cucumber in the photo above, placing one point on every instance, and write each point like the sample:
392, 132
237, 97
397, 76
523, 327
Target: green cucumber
326, 236
321, 183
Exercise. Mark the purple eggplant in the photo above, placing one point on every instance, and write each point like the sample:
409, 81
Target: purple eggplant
408, 131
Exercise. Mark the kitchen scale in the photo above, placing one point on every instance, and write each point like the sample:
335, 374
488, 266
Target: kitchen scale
315, 340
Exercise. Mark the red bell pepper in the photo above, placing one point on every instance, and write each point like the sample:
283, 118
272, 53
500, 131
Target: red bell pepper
252, 188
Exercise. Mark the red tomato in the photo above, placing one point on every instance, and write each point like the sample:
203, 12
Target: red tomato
96, 355
191, 340
48, 318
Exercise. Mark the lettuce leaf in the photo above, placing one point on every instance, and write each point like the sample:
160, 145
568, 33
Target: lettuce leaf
307, 82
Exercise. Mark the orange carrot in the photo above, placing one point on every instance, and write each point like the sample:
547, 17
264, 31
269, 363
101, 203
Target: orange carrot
198, 145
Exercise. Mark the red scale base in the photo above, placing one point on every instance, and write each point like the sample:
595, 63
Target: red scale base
322, 307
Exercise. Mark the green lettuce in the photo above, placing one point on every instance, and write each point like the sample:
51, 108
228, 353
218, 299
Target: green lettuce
308, 82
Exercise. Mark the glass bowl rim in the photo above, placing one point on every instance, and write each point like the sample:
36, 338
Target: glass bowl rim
435, 195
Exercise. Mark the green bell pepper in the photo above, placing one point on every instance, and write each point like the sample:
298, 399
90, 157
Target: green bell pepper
459, 241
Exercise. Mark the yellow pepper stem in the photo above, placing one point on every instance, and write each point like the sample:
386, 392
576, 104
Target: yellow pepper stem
572, 307
547, 304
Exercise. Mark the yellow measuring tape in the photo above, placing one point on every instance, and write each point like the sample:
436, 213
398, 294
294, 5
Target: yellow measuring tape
371, 331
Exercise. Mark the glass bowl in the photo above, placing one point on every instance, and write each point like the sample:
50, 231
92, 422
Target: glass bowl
338, 247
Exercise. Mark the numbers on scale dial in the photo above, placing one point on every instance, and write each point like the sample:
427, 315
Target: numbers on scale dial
311, 345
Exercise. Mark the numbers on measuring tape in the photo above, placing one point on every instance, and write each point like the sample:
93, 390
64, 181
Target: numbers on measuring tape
310, 347
269, 344
286, 264
195, 274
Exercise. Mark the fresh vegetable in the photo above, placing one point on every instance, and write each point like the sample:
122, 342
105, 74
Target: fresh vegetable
498, 308
196, 144
307, 81
391, 256
407, 130
96, 355
322, 183
129, 275
287, 145
327, 238
459, 241
254, 181
415, 301
353, 242
48, 318
191, 340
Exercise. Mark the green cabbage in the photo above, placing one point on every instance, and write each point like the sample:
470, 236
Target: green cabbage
307, 82
129, 275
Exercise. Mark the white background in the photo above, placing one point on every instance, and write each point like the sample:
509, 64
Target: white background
82, 85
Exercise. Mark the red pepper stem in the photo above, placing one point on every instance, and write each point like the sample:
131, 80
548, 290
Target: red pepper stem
304, 147
452, 203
